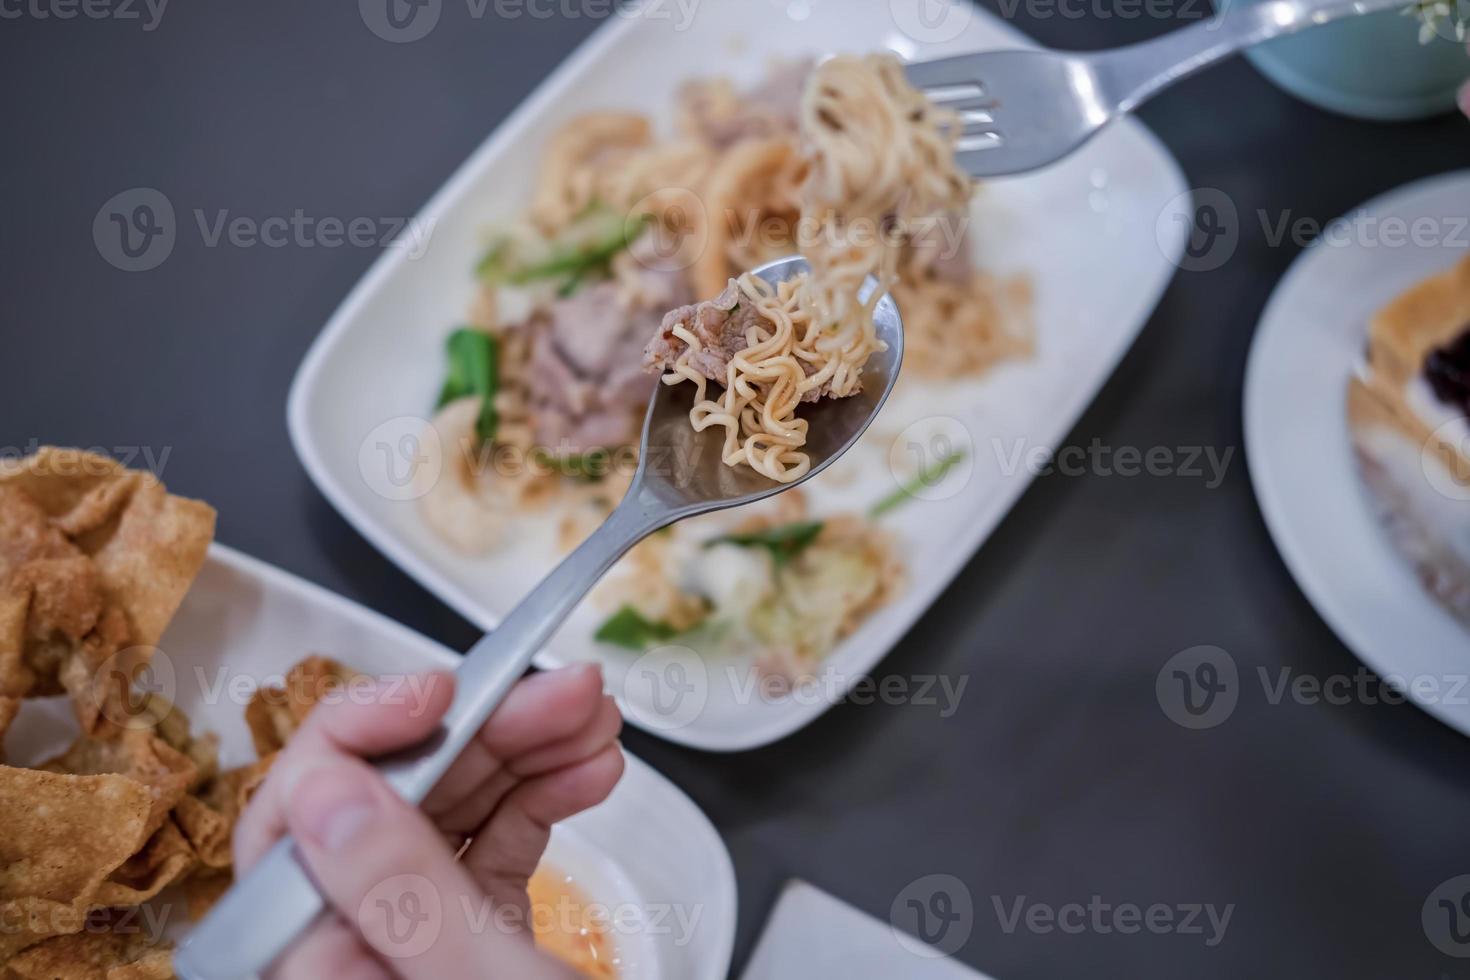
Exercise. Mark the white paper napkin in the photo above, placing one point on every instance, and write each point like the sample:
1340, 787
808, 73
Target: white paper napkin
812, 934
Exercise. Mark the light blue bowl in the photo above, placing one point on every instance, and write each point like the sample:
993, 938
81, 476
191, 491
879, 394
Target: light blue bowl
1371, 67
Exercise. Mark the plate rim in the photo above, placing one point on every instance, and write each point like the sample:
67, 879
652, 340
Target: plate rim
1273, 504
1171, 241
726, 886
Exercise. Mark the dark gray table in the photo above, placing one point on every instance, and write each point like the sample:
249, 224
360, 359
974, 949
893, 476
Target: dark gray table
1326, 827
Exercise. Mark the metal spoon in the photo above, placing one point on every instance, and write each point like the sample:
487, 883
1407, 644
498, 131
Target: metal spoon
680, 474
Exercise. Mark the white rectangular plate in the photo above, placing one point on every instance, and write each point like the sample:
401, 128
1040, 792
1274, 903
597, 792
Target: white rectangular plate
1093, 233
647, 852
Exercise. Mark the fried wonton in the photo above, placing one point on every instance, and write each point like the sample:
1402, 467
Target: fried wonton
274, 713
63, 835
208, 819
166, 858
101, 952
203, 888
94, 561
164, 771
158, 714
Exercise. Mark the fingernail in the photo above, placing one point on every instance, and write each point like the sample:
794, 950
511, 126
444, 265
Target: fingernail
333, 807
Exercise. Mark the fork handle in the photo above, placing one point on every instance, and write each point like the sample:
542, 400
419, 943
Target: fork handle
1130, 75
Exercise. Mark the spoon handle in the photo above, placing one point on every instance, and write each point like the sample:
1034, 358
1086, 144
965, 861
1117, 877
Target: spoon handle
493, 665
268, 908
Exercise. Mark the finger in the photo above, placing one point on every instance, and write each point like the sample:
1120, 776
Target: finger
541, 710
475, 807
604, 727
388, 715
329, 949
382, 865
372, 720
505, 853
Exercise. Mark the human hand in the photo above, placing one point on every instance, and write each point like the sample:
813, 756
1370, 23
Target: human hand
549, 752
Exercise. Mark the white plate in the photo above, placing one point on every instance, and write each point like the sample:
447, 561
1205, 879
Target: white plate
1093, 233
1311, 338
647, 849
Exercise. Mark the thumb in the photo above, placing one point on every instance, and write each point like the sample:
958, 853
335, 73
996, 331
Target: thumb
388, 873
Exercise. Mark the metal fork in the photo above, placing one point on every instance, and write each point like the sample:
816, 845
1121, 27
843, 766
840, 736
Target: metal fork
1024, 109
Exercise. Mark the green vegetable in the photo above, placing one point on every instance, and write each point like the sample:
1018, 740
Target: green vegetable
582, 250
489, 266
926, 477
631, 629
474, 369
784, 542
590, 466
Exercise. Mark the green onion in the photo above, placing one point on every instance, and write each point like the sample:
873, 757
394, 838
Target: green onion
586, 248
784, 542
474, 369
575, 260
590, 466
631, 629
489, 266
927, 477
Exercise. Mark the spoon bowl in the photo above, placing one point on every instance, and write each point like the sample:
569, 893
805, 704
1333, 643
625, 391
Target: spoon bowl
681, 469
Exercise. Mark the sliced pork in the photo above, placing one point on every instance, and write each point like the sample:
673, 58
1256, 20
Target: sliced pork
587, 385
